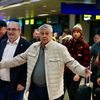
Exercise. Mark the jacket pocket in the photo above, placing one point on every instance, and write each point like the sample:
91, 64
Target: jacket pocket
31, 55
55, 63
54, 59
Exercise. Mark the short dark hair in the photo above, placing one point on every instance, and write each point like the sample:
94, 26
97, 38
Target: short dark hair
3, 23
67, 31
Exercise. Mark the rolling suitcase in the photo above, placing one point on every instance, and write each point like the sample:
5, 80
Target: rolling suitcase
83, 92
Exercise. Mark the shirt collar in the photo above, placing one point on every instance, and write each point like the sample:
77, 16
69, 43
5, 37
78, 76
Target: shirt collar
49, 44
15, 42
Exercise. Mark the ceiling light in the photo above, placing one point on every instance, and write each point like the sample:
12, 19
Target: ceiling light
44, 6
43, 14
14, 5
53, 11
1, 7
35, 0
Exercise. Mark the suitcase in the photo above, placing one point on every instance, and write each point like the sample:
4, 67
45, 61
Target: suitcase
83, 93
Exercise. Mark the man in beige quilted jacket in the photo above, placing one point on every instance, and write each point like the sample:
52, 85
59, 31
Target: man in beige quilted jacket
45, 69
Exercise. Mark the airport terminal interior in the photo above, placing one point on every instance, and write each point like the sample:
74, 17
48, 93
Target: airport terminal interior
61, 14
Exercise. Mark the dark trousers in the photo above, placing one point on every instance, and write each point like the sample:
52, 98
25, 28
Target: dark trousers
8, 93
70, 85
39, 93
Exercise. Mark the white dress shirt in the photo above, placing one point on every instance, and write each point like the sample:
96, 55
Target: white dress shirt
8, 54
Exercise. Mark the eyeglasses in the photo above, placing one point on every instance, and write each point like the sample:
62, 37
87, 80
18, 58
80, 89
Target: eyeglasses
12, 29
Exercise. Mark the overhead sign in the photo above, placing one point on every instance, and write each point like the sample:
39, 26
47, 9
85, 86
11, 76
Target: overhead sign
97, 17
87, 17
79, 8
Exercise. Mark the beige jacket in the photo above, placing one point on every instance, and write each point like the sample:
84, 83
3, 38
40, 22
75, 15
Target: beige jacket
56, 55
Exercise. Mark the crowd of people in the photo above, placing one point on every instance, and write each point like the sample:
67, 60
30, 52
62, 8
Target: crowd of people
48, 65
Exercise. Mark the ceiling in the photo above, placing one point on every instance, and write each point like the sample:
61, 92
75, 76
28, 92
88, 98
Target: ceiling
31, 8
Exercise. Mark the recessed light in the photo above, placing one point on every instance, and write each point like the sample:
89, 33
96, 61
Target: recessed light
35, 0
43, 14
44, 6
53, 11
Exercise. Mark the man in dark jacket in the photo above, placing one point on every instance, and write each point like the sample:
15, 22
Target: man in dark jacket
36, 36
95, 77
3, 29
13, 81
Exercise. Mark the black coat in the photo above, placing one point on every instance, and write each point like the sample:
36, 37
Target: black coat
18, 74
4, 37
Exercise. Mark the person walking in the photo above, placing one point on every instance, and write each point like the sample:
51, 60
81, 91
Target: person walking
13, 80
3, 29
79, 50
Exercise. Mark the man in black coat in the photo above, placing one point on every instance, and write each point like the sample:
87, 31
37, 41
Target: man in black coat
13, 81
3, 29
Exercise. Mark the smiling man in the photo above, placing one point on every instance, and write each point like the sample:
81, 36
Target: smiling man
12, 81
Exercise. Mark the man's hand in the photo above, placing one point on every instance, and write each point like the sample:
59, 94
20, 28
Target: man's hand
98, 81
76, 77
20, 87
87, 73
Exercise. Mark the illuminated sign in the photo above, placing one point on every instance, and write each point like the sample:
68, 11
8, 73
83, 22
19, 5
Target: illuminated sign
97, 17
39, 22
31, 21
87, 17
26, 22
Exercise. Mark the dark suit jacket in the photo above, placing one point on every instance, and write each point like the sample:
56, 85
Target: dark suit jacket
4, 37
17, 74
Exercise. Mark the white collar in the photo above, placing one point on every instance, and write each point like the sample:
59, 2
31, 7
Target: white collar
15, 42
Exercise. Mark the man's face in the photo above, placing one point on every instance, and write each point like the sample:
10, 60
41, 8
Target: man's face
13, 31
36, 34
96, 38
2, 31
64, 34
45, 36
76, 35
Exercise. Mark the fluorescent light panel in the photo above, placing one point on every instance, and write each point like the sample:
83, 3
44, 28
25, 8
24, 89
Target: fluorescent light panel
43, 14
35, 0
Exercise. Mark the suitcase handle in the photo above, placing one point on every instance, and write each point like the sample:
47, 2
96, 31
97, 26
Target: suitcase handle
87, 80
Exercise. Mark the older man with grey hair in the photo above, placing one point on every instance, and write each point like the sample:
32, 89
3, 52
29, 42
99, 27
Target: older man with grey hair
46, 60
13, 80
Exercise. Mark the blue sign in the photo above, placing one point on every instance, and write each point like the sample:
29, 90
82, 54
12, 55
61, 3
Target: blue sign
78, 8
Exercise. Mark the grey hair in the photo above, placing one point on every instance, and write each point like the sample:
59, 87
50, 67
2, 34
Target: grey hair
46, 26
14, 22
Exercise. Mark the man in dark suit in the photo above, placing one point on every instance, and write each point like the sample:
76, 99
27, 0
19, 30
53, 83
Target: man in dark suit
3, 29
36, 36
13, 81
